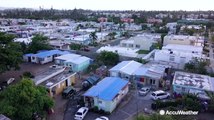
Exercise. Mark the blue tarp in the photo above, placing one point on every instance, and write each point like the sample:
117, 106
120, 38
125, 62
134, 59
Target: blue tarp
107, 88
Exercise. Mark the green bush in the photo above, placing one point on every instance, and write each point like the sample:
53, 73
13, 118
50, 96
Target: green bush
28, 75
161, 104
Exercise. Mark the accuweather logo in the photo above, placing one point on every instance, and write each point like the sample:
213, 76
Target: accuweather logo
178, 112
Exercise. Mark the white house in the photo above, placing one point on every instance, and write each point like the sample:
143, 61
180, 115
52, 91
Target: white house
184, 48
122, 51
75, 62
180, 58
183, 40
143, 42
125, 69
80, 39
192, 83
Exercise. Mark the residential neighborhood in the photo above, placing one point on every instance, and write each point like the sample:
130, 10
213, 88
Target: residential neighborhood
88, 64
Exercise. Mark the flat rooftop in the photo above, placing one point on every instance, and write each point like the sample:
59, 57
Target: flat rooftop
56, 79
183, 47
123, 51
181, 53
192, 80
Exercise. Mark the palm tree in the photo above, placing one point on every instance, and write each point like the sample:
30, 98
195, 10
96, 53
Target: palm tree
93, 37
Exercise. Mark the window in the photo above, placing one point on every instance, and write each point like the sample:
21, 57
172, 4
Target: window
100, 102
137, 46
153, 82
171, 58
33, 58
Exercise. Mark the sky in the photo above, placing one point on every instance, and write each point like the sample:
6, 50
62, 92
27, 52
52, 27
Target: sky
189, 5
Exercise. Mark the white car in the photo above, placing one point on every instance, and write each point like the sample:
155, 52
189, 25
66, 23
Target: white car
144, 90
159, 95
102, 118
81, 113
9, 81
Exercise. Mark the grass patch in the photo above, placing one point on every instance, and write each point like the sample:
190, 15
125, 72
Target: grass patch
143, 51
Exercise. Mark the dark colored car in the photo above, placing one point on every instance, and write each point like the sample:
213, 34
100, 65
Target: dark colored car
68, 92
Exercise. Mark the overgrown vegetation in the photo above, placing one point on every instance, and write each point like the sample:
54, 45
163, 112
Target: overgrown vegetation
39, 42
10, 53
24, 100
108, 58
197, 66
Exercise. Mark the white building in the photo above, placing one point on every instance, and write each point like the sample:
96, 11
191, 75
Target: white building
180, 58
184, 40
143, 42
184, 48
125, 69
192, 83
122, 51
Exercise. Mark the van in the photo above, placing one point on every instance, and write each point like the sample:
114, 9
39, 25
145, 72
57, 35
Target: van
159, 95
68, 92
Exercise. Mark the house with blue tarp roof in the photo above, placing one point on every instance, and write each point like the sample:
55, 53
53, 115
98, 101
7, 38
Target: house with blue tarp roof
43, 57
106, 94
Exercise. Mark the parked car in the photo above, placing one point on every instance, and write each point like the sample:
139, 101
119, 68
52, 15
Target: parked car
144, 90
9, 81
160, 94
68, 92
90, 81
81, 113
102, 118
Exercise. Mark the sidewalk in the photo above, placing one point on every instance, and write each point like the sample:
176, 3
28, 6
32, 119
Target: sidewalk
59, 108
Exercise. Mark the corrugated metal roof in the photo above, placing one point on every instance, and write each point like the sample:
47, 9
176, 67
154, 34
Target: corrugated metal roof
107, 88
119, 66
50, 53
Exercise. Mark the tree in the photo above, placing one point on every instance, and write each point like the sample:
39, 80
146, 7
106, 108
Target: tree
108, 58
112, 35
93, 37
23, 100
75, 46
39, 42
10, 53
196, 66
162, 39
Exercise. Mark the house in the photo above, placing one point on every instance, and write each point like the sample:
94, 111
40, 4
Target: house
80, 39
142, 42
184, 48
55, 79
150, 75
184, 82
76, 63
59, 44
180, 58
43, 56
122, 51
106, 94
184, 40
153, 20
125, 69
